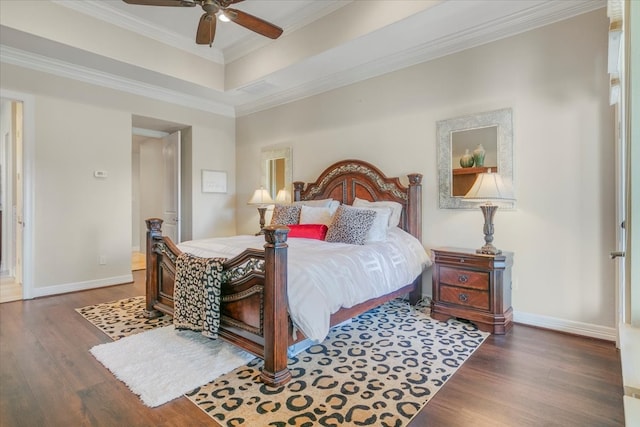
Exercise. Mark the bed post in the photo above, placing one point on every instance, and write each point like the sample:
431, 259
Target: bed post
414, 225
298, 186
414, 220
276, 315
154, 232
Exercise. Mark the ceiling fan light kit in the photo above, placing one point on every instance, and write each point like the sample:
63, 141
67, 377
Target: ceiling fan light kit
206, 31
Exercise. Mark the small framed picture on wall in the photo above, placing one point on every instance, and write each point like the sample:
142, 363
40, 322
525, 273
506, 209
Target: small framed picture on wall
214, 181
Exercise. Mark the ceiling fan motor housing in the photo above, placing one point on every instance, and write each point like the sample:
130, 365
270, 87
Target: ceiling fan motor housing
210, 6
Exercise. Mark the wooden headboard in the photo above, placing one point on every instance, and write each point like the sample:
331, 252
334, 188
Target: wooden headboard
348, 179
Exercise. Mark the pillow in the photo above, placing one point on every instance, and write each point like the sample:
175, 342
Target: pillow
322, 203
396, 209
285, 215
308, 231
350, 225
378, 230
316, 215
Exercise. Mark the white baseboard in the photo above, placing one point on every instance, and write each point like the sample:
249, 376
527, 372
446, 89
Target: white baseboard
80, 286
563, 325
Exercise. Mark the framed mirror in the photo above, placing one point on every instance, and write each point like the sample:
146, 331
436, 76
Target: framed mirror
276, 173
470, 145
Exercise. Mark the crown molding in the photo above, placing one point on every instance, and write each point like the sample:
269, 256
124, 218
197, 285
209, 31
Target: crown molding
102, 11
537, 16
541, 14
311, 13
56, 67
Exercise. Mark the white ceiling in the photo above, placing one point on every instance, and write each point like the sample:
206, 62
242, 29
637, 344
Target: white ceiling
326, 44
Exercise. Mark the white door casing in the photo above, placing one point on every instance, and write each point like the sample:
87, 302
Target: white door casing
19, 204
25, 269
171, 146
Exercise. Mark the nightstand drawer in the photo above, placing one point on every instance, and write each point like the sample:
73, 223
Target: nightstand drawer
465, 297
464, 278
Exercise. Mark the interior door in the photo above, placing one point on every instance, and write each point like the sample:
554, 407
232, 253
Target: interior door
19, 206
621, 212
171, 186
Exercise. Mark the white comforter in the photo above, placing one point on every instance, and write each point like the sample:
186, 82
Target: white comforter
324, 277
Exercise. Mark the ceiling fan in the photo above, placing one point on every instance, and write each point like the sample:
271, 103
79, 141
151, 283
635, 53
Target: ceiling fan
207, 25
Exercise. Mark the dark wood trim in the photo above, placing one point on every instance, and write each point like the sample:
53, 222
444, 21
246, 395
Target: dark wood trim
276, 325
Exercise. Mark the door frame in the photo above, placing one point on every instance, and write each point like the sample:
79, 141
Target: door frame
28, 187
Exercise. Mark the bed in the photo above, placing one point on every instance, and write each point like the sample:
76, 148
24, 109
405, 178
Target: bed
254, 312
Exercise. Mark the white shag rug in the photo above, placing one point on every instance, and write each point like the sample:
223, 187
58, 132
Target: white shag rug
163, 364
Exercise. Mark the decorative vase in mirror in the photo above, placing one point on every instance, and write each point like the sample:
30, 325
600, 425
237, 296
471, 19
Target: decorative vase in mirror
478, 156
467, 159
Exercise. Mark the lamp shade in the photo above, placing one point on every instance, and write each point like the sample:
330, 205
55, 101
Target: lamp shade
283, 196
490, 186
260, 197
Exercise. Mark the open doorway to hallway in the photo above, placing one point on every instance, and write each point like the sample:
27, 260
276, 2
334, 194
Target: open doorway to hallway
11, 199
161, 156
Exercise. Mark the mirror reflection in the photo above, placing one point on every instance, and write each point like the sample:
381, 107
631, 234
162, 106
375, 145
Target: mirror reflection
275, 176
276, 173
473, 151
470, 145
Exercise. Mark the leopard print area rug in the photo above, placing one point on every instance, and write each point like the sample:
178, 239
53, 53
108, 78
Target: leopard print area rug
378, 369
119, 319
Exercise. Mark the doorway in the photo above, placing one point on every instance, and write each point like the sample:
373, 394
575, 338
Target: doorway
160, 158
11, 199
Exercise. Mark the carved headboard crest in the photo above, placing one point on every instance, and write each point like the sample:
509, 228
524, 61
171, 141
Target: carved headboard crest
348, 179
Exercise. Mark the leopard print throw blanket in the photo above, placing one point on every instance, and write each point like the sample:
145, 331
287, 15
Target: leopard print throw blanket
197, 294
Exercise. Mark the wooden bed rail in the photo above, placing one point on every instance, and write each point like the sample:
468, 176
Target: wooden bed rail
267, 335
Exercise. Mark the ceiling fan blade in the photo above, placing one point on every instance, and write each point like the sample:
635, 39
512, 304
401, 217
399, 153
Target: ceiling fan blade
225, 3
162, 2
253, 23
206, 29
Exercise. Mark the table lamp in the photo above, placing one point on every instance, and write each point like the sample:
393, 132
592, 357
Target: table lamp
262, 198
283, 196
487, 187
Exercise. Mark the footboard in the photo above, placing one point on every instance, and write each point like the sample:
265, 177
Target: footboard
253, 313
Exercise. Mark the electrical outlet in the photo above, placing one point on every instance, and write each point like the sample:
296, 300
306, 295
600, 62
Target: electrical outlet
102, 260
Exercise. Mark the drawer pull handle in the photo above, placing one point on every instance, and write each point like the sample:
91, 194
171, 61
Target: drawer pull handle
463, 297
463, 278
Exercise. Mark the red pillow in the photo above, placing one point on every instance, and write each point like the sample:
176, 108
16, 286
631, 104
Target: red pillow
308, 231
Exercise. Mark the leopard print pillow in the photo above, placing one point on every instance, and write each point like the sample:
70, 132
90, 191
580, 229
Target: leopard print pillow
350, 225
286, 214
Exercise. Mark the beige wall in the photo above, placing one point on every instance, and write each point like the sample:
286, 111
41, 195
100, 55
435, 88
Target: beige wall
554, 78
556, 81
80, 128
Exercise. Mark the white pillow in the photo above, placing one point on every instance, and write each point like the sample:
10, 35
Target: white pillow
334, 205
396, 209
378, 230
316, 215
323, 203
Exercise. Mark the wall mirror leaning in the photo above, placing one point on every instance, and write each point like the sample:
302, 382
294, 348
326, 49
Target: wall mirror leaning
490, 136
276, 173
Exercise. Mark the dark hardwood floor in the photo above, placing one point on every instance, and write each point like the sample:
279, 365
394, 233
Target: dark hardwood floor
530, 377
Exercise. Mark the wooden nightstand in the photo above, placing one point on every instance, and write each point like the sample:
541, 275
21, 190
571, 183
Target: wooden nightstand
472, 286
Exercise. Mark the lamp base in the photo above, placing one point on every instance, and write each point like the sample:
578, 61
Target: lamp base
488, 211
261, 211
488, 250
